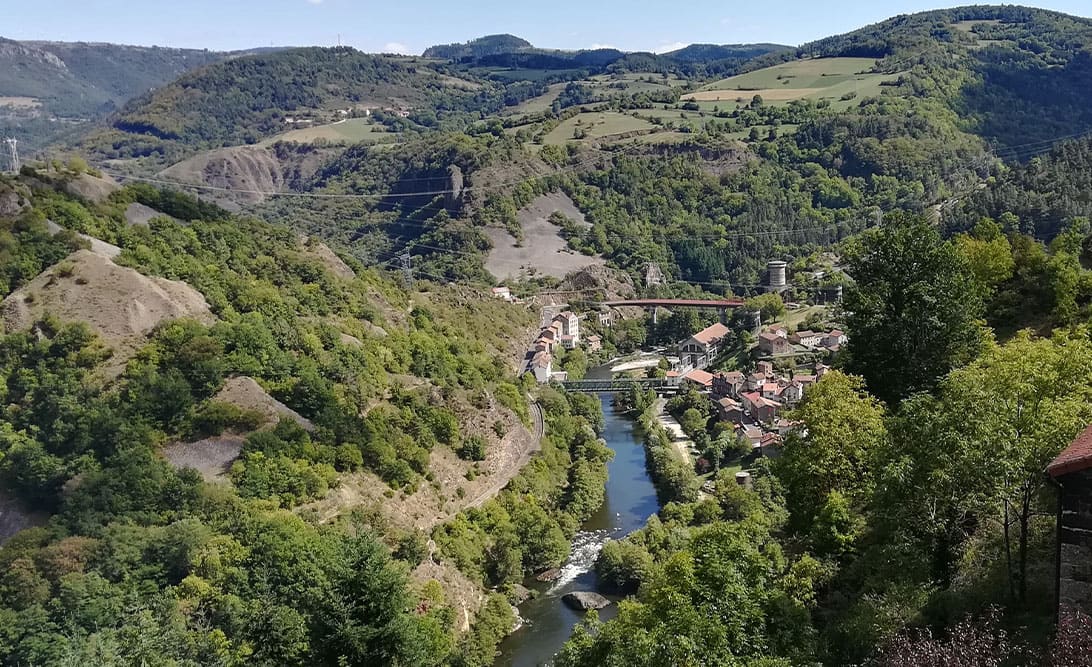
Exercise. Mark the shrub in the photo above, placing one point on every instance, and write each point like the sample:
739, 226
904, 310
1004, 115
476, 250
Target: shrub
472, 449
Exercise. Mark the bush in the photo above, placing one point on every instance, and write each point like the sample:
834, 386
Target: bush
472, 449
215, 417
622, 566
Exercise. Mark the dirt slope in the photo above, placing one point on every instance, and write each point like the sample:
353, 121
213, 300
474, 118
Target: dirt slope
542, 251
249, 171
118, 303
247, 394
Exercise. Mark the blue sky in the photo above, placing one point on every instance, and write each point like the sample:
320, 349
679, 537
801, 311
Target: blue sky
411, 25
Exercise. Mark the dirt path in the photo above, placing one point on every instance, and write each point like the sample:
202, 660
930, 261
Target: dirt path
674, 430
515, 464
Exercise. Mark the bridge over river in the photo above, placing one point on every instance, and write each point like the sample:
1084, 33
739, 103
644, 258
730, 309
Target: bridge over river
609, 385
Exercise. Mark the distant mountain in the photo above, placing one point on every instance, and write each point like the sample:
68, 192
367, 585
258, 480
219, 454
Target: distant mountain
709, 52
478, 48
47, 87
246, 99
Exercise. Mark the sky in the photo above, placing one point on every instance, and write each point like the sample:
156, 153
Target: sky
410, 26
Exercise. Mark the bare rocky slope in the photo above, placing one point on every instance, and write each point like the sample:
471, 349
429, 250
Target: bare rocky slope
121, 305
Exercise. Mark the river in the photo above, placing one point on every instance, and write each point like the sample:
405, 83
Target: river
630, 500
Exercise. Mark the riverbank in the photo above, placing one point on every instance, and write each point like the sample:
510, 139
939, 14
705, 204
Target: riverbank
673, 477
630, 499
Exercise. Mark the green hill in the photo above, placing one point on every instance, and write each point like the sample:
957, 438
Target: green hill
476, 48
71, 83
247, 99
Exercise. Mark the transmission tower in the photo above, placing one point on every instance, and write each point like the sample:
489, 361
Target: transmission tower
407, 269
13, 153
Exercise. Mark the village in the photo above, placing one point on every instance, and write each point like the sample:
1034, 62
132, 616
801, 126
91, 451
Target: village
750, 376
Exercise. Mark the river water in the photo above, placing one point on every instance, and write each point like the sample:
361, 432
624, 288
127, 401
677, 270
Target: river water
630, 500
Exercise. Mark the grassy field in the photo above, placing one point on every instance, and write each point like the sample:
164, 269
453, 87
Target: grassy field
596, 126
817, 78
352, 130
537, 104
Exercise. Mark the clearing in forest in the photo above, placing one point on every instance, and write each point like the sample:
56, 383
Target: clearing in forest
814, 78
542, 250
596, 125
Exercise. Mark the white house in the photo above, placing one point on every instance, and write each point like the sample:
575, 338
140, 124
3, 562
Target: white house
702, 348
542, 367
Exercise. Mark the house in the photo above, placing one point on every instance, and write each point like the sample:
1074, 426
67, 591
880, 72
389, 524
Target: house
755, 381
793, 393
728, 384
606, 318
806, 380
542, 367
785, 427
699, 379
773, 344
672, 378
595, 343
729, 410
821, 370
749, 433
570, 325
807, 338
780, 331
765, 367
1071, 472
568, 342
762, 409
702, 348
771, 390
502, 293
834, 340
770, 445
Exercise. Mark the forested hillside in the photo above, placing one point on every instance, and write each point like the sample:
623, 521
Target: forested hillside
141, 561
75, 83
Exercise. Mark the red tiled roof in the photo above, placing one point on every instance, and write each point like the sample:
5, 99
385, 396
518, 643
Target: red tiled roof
768, 336
701, 377
712, 333
1076, 457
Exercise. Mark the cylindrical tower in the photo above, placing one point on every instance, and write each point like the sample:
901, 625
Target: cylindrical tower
775, 272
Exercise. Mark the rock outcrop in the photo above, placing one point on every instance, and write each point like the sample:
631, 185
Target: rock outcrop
585, 600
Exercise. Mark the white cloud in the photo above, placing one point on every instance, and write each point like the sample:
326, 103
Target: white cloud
667, 48
396, 47
314, 2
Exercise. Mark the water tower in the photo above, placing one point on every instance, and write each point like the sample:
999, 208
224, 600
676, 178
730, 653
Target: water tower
775, 276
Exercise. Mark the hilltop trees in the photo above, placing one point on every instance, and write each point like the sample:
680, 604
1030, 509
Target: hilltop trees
913, 311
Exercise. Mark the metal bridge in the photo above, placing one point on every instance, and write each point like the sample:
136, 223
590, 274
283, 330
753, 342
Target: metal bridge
619, 384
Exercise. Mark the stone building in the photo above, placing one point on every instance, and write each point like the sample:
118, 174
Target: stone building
1072, 474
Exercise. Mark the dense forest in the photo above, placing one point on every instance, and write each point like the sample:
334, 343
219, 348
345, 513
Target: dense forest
143, 562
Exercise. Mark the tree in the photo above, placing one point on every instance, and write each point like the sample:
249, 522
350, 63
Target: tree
831, 453
770, 305
913, 312
971, 459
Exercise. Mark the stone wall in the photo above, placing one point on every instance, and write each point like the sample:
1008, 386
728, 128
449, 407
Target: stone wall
1075, 535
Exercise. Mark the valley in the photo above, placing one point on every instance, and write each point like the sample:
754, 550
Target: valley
300, 346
